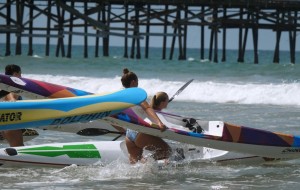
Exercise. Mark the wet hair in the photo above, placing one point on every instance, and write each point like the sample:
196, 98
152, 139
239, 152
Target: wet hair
11, 69
158, 98
127, 77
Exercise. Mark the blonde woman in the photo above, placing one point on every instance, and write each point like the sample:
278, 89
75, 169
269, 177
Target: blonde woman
159, 101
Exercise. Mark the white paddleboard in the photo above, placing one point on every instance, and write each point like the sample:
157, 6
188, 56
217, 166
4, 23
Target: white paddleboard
101, 153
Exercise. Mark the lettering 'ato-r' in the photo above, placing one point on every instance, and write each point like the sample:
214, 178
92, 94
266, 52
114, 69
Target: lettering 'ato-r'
12, 116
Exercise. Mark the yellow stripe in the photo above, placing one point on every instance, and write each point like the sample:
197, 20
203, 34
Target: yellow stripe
25, 115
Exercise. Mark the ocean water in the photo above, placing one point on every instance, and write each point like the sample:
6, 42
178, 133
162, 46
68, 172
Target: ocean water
264, 96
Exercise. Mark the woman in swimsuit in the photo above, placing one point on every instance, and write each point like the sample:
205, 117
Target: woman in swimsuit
14, 137
136, 141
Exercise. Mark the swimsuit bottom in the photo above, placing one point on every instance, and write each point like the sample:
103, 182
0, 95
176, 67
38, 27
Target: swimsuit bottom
131, 134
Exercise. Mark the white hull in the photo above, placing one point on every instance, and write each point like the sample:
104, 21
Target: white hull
105, 152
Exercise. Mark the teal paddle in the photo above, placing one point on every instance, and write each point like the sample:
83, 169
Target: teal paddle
181, 89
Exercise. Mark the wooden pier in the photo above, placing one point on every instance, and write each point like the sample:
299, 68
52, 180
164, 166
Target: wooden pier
134, 22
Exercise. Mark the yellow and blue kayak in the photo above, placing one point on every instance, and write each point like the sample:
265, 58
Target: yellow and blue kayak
61, 111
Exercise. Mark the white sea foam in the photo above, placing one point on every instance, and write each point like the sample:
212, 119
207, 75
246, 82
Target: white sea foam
198, 91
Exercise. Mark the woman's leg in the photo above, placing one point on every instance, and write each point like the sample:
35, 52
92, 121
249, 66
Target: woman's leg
14, 137
152, 143
135, 153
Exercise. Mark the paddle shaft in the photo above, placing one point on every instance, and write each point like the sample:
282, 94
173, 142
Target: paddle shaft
181, 89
